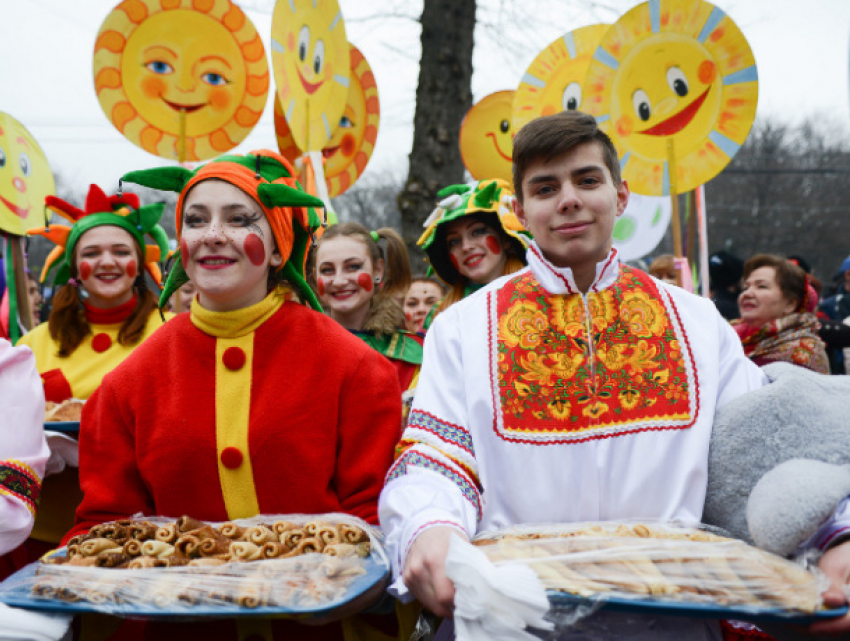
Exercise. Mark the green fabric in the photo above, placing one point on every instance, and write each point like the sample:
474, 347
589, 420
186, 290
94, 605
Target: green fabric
177, 277
400, 346
279, 195
161, 178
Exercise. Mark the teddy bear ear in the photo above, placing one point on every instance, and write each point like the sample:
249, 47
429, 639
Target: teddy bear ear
791, 501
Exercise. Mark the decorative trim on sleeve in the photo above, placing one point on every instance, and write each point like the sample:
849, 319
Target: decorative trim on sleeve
427, 458
20, 481
453, 441
428, 526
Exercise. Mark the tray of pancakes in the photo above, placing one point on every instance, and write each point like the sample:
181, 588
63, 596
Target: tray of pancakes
299, 565
663, 569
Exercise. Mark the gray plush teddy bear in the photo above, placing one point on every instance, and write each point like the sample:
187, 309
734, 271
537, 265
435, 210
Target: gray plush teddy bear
780, 458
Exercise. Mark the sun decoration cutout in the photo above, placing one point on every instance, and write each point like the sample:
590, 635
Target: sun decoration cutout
553, 81
678, 70
157, 62
311, 68
348, 152
25, 178
487, 138
641, 226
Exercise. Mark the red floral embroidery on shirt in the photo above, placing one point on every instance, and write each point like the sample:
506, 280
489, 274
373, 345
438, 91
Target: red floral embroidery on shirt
570, 368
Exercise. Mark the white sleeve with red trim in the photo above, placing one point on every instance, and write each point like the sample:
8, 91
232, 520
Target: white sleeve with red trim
837, 526
23, 449
434, 482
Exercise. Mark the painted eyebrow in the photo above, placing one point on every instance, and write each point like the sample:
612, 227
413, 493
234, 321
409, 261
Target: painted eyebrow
163, 47
218, 58
23, 140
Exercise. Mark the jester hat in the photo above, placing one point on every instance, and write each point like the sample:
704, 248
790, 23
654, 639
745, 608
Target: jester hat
118, 211
491, 201
268, 178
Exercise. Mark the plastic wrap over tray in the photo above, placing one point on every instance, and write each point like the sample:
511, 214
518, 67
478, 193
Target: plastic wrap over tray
322, 566
660, 568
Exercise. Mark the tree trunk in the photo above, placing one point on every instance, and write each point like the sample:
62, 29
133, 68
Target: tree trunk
443, 97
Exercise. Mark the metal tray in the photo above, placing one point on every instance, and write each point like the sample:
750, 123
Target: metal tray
365, 589
62, 426
694, 610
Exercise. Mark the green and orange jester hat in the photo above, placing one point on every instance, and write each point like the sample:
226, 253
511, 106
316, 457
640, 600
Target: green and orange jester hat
269, 179
118, 211
491, 201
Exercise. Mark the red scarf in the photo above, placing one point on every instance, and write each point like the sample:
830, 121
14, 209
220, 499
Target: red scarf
792, 338
111, 316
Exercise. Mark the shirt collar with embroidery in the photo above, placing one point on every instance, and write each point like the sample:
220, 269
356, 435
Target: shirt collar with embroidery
559, 280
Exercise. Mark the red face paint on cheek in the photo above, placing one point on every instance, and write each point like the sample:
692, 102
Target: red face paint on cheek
132, 270
320, 285
365, 282
493, 245
254, 249
453, 258
184, 251
408, 316
85, 270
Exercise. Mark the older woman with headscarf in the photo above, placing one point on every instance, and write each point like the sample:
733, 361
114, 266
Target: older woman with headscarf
777, 315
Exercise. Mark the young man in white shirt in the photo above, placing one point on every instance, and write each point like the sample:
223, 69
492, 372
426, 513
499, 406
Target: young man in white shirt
576, 389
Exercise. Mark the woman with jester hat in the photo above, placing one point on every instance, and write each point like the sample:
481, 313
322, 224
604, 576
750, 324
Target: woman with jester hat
101, 313
250, 403
102, 310
472, 238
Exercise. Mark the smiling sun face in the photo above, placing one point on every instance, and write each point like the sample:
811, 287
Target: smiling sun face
311, 68
487, 138
677, 70
553, 81
169, 69
348, 152
25, 178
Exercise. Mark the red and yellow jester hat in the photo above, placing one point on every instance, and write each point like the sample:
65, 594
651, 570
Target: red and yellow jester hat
118, 211
269, 179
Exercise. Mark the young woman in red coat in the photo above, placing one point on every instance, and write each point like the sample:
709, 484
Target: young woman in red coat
251, 403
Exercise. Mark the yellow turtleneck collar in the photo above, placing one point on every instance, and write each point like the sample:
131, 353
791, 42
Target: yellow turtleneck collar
238, 322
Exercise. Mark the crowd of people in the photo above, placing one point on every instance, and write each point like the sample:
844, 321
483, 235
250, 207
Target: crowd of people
535, 364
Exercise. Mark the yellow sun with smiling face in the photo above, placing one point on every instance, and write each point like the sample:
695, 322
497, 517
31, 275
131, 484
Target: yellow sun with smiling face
170, 68
25, 178
487, 137
348, 151
677, 70
311, 68
553, 81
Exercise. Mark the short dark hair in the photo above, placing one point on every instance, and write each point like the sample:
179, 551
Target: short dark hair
790, 278
549, 137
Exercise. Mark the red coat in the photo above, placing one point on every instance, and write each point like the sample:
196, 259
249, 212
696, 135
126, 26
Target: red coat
323, 421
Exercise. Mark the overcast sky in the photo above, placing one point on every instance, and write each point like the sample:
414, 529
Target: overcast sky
801, 49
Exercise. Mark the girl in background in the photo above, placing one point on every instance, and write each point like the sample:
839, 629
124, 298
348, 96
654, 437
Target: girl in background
360, 285
473, 238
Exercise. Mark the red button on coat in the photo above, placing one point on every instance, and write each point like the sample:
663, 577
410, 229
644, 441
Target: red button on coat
233, 358
101, 342
231, 457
